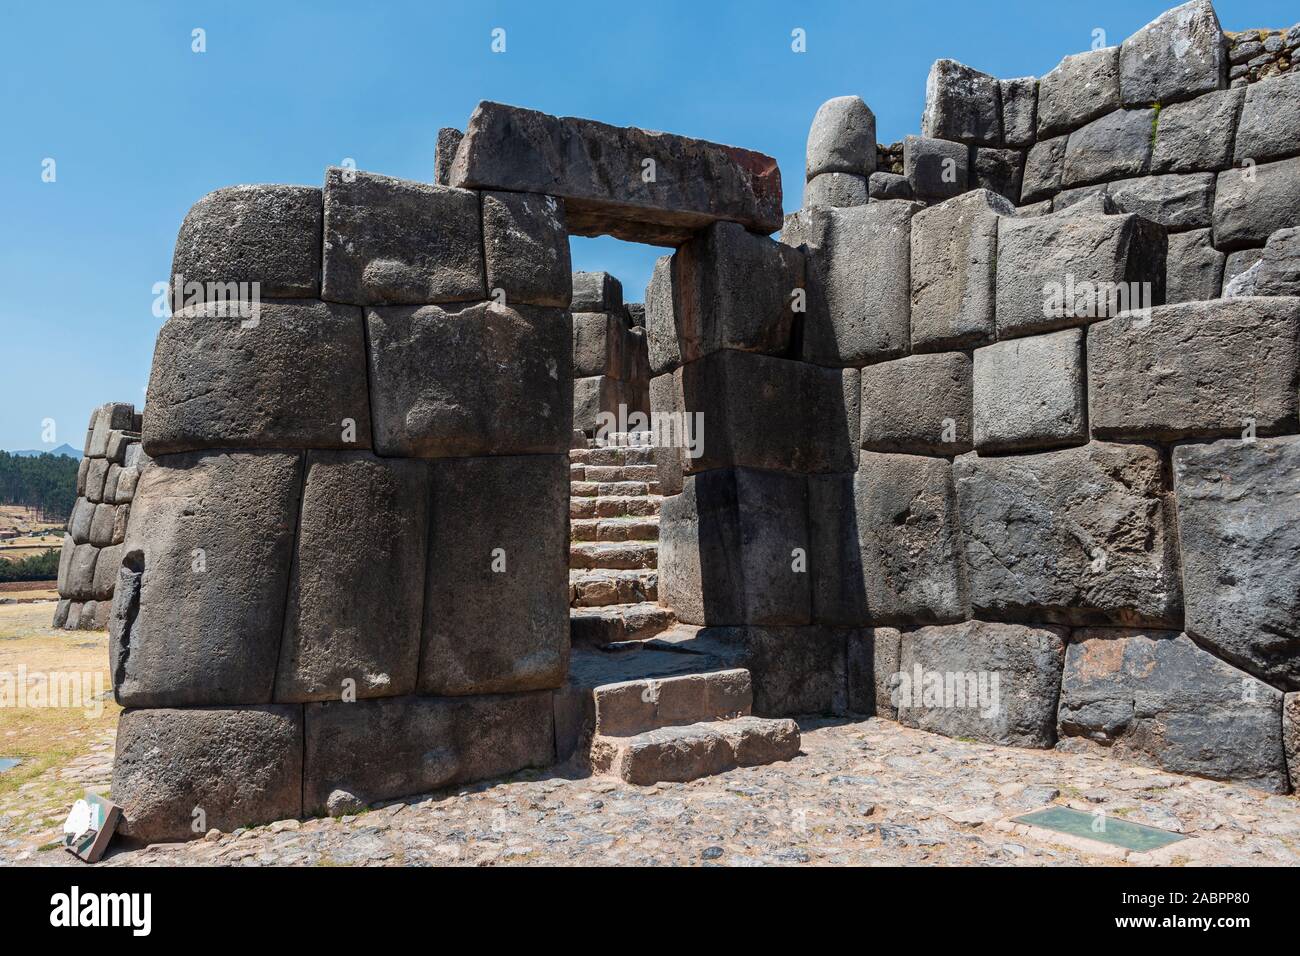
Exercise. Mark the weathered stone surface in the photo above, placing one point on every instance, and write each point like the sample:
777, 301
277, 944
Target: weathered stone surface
727, 549
909, 539
661, 319
1180, 54
1196, 370
207, 560
794, 670
1044, 167
598, 344
1075, 536
496, 616
1080, 88
596, 292
856, 314
357, 586
1176, 202
1112, 147
1157, 698
873, 659
1194, 269
96, 476
66, 552
1198, 134
597, 170
1251, 204
835, 190
483, 380
1237, 265
1291, 737
962, 104
999, 170
627, 707
936, 168
1279, 267
888, 186
1270, 119
842, 138
270, 235
1241, 552
920, 404
293, 377
380, 749
396, 242
1030, 393
998, 683
765, 412
83, 516
526, 248
107, 565
444, 154
1071, 268
594, 396
1019, 111
954, 263
241, 766
101, 525
834, 560
81, 573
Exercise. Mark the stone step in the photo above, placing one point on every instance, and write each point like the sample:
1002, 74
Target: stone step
630, 707
611, 623
681, 753
614, 555
600, 587
629, 455
637, 528
605, 489
615, 506
606, 473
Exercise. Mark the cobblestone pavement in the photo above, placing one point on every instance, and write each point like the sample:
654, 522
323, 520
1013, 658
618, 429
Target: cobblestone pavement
860, 793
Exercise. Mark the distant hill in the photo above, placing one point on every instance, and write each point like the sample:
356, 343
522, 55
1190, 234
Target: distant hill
65, 450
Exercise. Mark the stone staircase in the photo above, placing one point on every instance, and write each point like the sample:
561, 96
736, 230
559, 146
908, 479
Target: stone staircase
642, 701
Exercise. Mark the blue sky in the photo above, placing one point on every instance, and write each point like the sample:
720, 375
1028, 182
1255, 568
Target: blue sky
140, 127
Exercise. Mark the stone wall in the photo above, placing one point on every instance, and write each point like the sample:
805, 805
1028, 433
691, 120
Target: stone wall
611, 361
92, 546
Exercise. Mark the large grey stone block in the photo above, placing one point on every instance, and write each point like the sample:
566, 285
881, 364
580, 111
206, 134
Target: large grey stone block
908, 537
887, 186
920, 404
996, 683
728, 549
1270, 119
597, 396
1075, 536
596, 292
954, 249
1252, 203
598, 170
207, 561
1071, 268
107, 565
1194, 268
396, 242
526, 249
295, 377
1019, 111
1030, 393
1044, 167
352, 622
1180, 54
873, 658
239, 766
1155, 697
480, 380
1080, 88
444, 153
998, 170
860, 284
1113, 146
269, 235
80, 585
1197, 134
496, 608
661, 319
1279, 266
936, 168
842, 138
794, 670
1241, 552
835, 190
374, 750
962, 104
599, 339
1178, 203
834, 560
1196, 370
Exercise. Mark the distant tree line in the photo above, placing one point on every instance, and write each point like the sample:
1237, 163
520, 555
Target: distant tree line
39, 567
47, 483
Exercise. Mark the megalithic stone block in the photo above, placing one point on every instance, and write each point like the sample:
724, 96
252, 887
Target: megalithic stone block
908, 539
1074, 267
1114, 146
1252, 203
81, 572
860, 284
962, 104
1198, 134
526, 249
240, 235
730, 547
842, 139
1078, 536
794, 670
373, 750
919, 404
1197, 370
356, 593
1176, 56
596, 292
834, 560
936, 168
1019, 98
954, 265
1080, 88
496, 609
1044, 167
444, 153
595, 396
480, 380
1155, 697
1176, 202
396, 242
66, 552
101, 525
1194, 268
107, 566
835, 190
996, 683
598, 344
82, 469
666, 400
83, 517
1030, 393
96, 476
240, 766
1270, 119
1000, 171
873, 657
291, 377
1240, 547
626, 182
662, 337
211, 543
